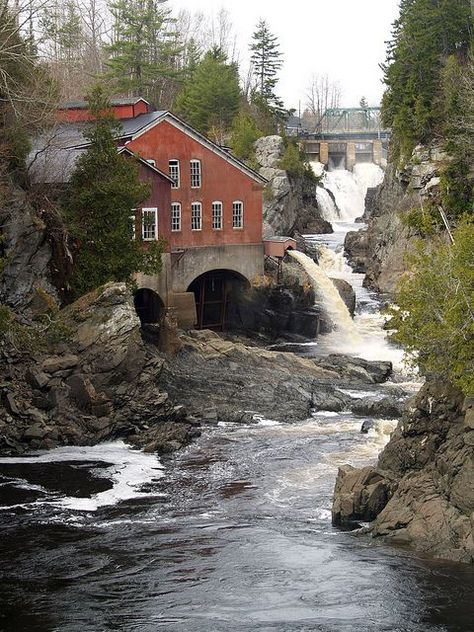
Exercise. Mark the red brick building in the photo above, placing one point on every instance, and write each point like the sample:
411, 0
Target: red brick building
209, 213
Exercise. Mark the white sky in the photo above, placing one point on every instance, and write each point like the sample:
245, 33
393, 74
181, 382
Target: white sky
343, 38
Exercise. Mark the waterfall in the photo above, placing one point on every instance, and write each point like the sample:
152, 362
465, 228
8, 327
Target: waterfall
349, 189
326, 204
327, 296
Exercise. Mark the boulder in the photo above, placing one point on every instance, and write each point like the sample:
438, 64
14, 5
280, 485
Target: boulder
426, 490
60, 363
387, 407
346, 292
359, 495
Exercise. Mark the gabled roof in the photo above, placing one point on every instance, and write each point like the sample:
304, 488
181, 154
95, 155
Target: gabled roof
53, 156
145, 122
57, 149
146, 163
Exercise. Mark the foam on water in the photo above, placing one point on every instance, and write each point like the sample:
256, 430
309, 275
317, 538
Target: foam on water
326, 204
126, 468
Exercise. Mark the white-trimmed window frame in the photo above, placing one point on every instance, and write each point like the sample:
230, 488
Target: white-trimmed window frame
176, 177
217, 215
147, 235
176, 217
195, 172
196, 219
237, 215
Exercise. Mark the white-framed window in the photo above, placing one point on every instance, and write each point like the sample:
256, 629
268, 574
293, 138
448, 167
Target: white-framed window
217, 215
133, 224
173, 167
237, 214
195, 167
149, 224
196, 216
175, 216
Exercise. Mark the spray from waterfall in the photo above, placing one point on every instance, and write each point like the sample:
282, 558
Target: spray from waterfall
328, 296
334, 263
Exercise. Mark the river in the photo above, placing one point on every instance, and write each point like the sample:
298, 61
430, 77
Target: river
232, 533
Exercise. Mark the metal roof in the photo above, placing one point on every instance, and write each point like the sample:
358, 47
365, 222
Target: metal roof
61, 145
83, 104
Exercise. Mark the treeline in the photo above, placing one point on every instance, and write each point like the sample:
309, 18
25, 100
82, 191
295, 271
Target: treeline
429, 73
185, 62
430, 90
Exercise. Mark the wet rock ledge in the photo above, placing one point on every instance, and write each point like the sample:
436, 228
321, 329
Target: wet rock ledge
106, 378
421, 492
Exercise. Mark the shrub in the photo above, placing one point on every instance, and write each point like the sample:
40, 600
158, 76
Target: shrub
433, 311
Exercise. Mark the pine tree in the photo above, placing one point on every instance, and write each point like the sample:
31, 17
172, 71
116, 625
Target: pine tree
144, 52
267, 60
425, 34
210, 98
104, 189
244, 134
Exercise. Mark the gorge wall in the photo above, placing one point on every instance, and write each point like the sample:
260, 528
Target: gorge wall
380, 250
420, 492
289, 201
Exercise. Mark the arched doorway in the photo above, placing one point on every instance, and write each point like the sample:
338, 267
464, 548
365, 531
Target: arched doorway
149, 306
214, 292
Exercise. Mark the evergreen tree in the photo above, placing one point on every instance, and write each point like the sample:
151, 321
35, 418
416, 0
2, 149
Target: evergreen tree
210, 98
266, 59
104, 189
244, 134
425, 34
144, 52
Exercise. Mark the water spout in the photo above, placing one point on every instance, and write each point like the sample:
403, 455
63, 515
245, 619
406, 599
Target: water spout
328, 296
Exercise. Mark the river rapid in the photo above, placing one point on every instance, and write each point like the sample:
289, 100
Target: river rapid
232, 533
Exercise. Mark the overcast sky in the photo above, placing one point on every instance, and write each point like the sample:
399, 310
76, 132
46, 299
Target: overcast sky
343, 38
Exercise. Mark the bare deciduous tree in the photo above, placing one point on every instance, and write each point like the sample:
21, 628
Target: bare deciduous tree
322, 94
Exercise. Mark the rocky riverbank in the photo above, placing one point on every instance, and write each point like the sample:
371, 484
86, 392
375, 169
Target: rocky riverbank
105, 377
421, 492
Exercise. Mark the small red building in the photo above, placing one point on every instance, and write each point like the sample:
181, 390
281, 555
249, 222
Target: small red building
209, 210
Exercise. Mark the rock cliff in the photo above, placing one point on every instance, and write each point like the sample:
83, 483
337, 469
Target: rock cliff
421, 492
98, 379
25, 256
380, 250
289, 202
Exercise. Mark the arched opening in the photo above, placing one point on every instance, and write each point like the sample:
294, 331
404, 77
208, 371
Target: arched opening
149, 306
215, 292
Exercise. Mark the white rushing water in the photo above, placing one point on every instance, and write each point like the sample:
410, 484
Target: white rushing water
127, 470
372, 342
327, 296
349, 189
326, 204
